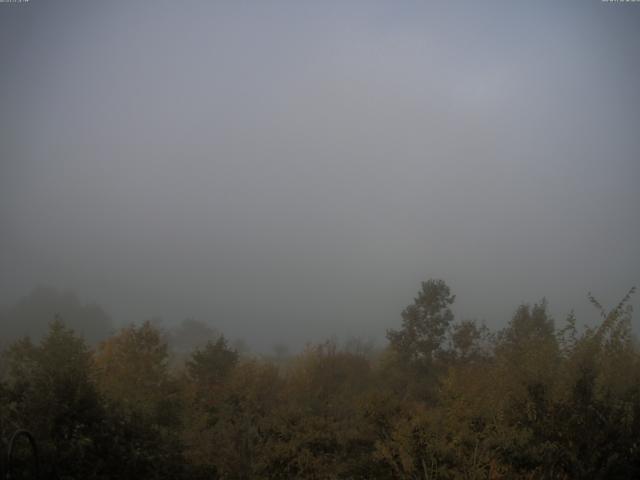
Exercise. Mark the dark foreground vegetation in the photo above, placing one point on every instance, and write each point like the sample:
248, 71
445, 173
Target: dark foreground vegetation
444, 400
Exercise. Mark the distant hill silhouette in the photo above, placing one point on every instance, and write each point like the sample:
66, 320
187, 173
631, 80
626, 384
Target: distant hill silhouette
31, 315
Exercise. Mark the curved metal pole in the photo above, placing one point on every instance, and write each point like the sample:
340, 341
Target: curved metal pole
34, 449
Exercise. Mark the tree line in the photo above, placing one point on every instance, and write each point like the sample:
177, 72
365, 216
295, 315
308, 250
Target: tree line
445, 399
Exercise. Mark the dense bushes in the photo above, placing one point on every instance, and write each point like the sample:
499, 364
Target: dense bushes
444, 400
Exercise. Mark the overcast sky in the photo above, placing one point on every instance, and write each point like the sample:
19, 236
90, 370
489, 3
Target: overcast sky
292, 170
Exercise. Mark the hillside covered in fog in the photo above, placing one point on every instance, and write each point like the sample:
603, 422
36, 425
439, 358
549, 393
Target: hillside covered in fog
444, 399
215, 216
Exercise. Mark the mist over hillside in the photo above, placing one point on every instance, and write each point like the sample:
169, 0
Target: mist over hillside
322, 240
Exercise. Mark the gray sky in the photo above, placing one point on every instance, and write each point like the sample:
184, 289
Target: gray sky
293, 170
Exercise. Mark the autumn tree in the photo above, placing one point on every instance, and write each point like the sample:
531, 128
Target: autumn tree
132, 373
425, 323
320, 429
212, 363
132, 366
54, 397
470, 341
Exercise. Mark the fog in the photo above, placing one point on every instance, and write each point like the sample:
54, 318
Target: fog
289, 171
